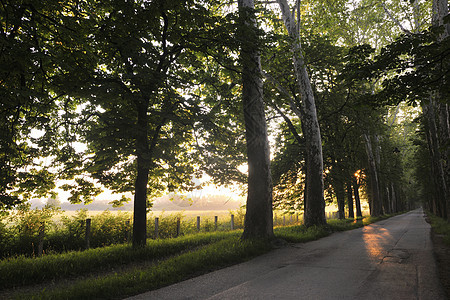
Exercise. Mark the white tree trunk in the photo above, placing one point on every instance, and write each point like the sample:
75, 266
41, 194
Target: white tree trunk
314, 199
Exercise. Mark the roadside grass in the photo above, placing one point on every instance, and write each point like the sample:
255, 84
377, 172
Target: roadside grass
216, 255
302, 234
22, 270
172, 260
440, 226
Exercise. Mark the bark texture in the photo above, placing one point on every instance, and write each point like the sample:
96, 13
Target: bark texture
258, 217
314, 200
340, 195
351, 210
143, 167
357, 199
374, 199
437, 127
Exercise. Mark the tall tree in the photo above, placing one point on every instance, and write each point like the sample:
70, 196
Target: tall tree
314, 203
140, 130
34, 45
437, 111
258, 217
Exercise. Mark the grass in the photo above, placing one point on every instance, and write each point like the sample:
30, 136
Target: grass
24, 271
302, 234
218, 254
440, 226
172, 260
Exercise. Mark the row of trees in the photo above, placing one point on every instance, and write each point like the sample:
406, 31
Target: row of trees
144, 96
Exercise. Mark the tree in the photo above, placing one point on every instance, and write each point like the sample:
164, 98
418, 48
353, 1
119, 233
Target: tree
137, 124
314, 199
258, 217
415, 69
31, 36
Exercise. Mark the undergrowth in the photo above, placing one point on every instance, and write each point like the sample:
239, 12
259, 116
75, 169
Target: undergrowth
440, 226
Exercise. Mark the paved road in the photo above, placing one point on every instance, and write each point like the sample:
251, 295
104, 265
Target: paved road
391, 259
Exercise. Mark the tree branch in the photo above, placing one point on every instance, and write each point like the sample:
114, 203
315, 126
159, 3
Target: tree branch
395, 20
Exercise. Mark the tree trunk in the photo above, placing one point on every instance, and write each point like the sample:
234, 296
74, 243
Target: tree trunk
440, 10
357, 199
258, 217
340, 195
435, 155
375, 200
381, 181
314, 202
394, 200
438, 123
143, 167
444, 137
351, 212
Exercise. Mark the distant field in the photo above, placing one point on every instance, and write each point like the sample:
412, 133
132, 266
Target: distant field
186, 213
158, 213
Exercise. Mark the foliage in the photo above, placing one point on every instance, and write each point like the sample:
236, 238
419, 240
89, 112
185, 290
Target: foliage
415, 65
22, 229
26, 100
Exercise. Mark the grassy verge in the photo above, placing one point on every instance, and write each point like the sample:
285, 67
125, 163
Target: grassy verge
440, 226
24, 271
173, 260
301, 234
175, 269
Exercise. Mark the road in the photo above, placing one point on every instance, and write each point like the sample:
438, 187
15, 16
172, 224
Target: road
391, 259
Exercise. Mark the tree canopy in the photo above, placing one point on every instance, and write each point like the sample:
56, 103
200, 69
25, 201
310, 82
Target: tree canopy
142, 97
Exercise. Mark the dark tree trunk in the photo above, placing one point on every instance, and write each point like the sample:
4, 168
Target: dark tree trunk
258, 217
340, 195
357, 199
436, 159
374, 196
444, 135
351, 213
381, 181
143, 167
394, 200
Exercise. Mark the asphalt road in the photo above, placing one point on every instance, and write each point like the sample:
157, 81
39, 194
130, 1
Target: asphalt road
391, 259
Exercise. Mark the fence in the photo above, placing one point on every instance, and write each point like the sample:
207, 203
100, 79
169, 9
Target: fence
160, 228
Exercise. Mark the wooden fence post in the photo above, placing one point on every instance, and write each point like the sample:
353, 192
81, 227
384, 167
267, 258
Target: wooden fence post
215, 222
88, 233
156, 227
198, 223
178, 226
232, 222
41, 239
